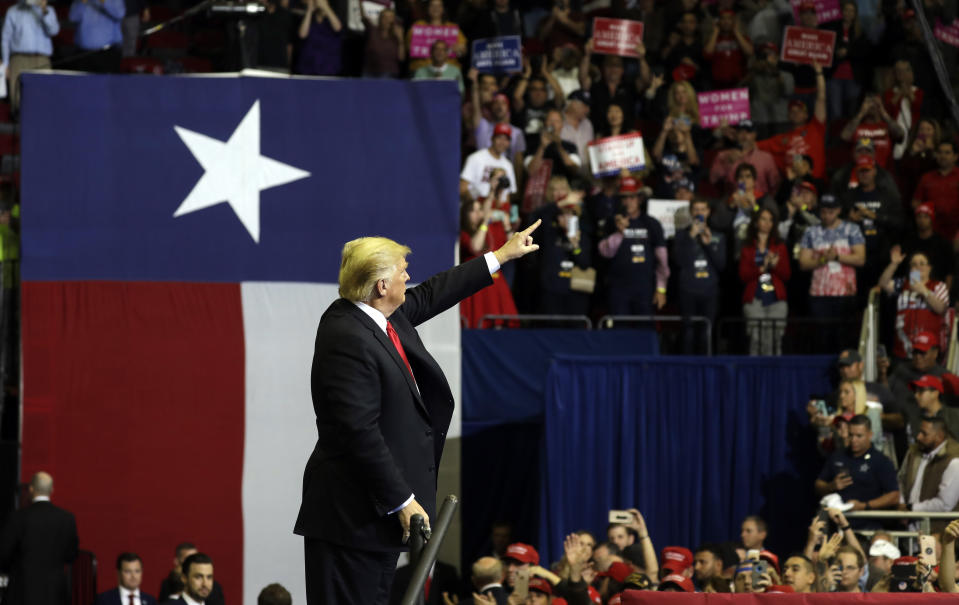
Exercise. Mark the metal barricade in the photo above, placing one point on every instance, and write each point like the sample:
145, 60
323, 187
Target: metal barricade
529, 320
923, 518
798, 334
608, 322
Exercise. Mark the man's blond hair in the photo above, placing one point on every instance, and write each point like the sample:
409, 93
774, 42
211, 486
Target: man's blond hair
366, 260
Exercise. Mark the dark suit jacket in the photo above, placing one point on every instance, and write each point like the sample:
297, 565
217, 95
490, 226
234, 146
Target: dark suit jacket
498, 593
445, 579
112, 597
215, 598
379, 439
36, 544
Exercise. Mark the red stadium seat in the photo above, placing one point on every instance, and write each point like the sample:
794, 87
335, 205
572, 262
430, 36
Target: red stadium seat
64, 38
141, 65
168, 39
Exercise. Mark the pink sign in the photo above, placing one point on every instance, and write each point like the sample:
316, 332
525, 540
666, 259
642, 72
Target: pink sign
616, 36
717, 105
826, 10
423, 36
805, 45
947, 33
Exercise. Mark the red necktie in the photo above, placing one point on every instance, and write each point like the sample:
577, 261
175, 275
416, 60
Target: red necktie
395, 338
132, 601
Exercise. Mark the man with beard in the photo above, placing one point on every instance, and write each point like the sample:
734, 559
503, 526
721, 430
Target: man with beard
930, 472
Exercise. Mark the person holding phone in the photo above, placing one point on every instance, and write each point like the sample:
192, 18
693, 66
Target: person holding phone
701, 257
861, 474
921, 302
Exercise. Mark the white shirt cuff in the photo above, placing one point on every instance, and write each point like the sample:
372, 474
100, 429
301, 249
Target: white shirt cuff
491, 262
402, 506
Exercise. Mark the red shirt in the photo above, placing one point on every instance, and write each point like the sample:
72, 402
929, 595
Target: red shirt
808, 139
878, 133
943, 192
727, 61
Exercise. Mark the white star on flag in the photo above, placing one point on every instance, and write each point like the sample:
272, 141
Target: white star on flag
235, 172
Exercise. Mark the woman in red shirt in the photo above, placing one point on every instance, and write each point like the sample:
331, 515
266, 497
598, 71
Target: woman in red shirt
921, 304
764, 269
475, 240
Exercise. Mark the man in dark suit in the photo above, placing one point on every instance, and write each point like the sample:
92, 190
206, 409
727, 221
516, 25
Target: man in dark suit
197, 580
383, 407
36, 544
129, 578
488, 574
172, 585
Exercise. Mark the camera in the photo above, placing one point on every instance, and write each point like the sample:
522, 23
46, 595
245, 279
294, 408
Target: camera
759, 568
503, 182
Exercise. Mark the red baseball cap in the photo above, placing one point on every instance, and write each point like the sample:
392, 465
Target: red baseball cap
683, 72
540, 585
681, 582
924, 341
618, 571
928, 382
675, 559
629, 186
771, 46
503, 129
501, 97
616, 599
779, 589
865, 161
950, 383
768, 555
727, 11
905, 562
908, 14
926, 208
798, 103
524, 553
594, 596
807, 6
809, 185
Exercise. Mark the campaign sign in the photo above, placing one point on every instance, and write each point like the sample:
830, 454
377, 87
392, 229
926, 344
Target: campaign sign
731, 105
608, 157
826, 10
372, 9
805, 45
671, 214
498, 55
616, 36
423, 36
947, 33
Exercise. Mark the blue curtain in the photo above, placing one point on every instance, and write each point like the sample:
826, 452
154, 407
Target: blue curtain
695, 443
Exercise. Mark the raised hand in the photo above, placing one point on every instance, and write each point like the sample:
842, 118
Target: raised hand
519, 245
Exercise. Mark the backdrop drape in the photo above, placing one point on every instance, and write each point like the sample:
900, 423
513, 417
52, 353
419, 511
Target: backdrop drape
695, 443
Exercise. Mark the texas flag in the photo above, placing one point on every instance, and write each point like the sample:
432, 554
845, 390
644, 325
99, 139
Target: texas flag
181, 239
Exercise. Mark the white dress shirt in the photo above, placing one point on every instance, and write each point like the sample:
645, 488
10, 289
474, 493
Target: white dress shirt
190, 601
125, 596
948, 494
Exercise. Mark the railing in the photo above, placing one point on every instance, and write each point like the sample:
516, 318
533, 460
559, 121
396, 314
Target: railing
608, 322
488, 321
424, 548
923, 518
792, 335
869, 335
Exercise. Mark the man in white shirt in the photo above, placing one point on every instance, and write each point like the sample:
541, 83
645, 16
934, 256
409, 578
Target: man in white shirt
476, 176
929, 475
129, 577
197, 578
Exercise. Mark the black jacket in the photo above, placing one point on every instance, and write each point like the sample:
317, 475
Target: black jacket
380, 435
37, 542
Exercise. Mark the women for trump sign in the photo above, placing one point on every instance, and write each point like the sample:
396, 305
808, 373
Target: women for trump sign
717, 106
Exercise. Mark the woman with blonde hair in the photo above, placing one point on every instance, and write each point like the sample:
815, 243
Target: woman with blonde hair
682, 102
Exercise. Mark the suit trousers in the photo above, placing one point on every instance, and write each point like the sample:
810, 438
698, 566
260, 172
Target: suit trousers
340, 575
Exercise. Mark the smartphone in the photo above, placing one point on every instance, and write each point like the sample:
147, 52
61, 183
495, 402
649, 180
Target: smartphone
881, 352
620, 516
759, 568
914, 276
572, 226
927, 550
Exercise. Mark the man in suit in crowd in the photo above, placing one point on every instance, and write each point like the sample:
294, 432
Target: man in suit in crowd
172, 585
129, 578
488, 575
383, 407
37, 543
197, 580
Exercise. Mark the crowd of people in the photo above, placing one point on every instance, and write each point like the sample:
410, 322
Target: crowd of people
834, 559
